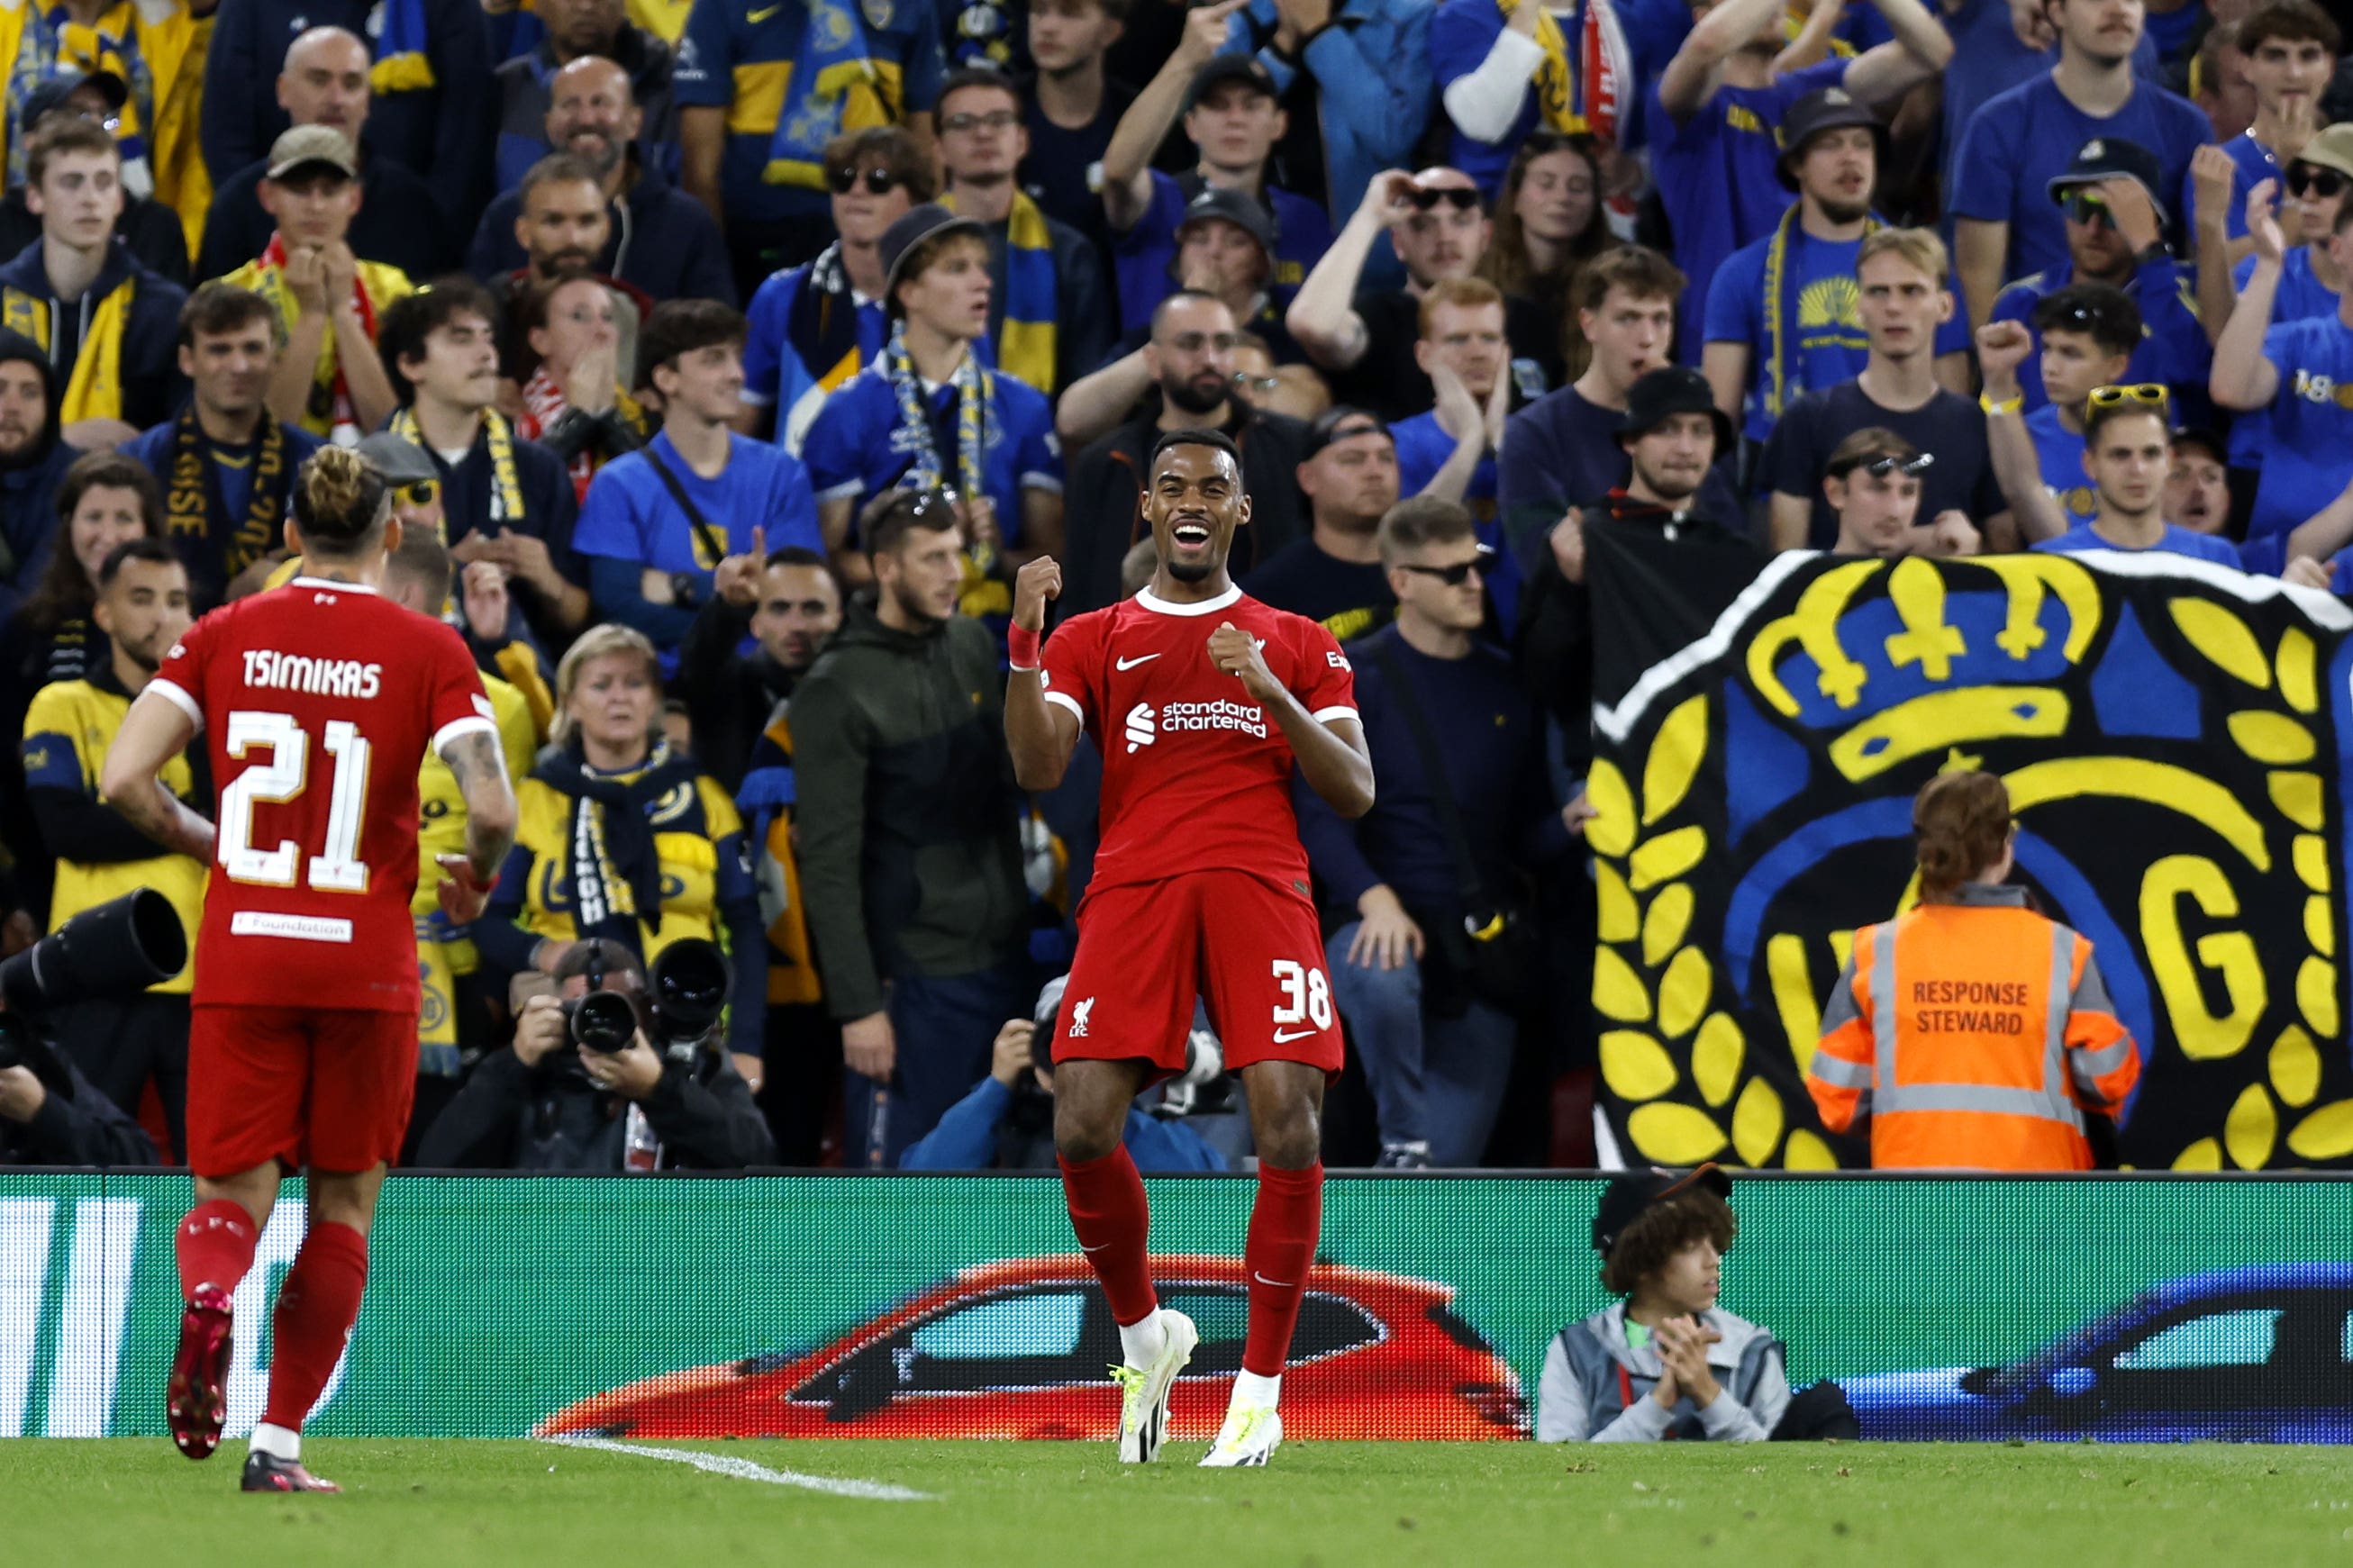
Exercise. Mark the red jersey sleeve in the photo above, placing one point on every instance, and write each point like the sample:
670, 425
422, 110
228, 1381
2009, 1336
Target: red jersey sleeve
1072, 662
181, 678
1327, 681
455, 703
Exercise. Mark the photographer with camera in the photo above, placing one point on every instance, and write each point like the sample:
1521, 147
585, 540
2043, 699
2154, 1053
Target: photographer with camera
1007, 1122
610, 1072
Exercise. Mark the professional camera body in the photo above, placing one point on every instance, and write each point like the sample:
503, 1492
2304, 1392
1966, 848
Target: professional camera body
124, 944
685, 994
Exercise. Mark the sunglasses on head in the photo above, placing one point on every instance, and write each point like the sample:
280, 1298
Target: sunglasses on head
1455, 576
1462, 197
2144, 392
1881, 467
2308, 180
878, 180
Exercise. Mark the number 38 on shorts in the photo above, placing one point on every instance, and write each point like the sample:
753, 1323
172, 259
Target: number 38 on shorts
1305, 1007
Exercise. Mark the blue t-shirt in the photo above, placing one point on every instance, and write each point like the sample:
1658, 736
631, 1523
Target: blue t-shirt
856, 448
2026, 137
2173, 347
2059, 454
630, 515
1715, 172
774, 374
2310, 454
1989, 60
2301, 295
1144, 255
1821, 325
2180, 540
2256, 164
1461, 32
1422, 449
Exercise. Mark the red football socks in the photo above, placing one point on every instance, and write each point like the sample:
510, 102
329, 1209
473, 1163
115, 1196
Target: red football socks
1284, 1223
1112, 1220
215, 1246
316, 1309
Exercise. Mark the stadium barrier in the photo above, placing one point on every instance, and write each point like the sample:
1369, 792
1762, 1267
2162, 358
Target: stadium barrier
2108, 1308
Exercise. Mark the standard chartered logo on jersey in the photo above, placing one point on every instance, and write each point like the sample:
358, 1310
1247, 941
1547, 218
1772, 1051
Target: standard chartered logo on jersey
2170, 734
1145, 724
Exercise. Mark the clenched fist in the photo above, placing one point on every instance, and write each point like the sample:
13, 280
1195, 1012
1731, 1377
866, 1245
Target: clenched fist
1036, 583
1236, 652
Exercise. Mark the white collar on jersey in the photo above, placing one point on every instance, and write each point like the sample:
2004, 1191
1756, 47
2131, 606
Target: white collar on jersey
331, 584
1158, 606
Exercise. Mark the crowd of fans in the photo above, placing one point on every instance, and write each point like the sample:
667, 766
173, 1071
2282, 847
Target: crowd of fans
1905, 277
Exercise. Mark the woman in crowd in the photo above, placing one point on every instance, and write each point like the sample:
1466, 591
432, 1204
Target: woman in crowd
1967, 1070
573, 402
669, 861
1550, 222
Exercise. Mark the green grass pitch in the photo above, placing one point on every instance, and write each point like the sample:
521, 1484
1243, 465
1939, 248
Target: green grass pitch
506, 1504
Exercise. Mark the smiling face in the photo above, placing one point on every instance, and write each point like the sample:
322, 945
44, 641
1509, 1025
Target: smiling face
229, 371
592, 113
1193, 507
106, 516
614, 702
705, 383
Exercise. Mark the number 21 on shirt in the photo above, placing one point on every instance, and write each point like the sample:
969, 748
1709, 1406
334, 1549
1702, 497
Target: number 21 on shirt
279, 780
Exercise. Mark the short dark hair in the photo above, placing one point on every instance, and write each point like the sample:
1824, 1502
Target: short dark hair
1216, 440
406, 322
556, 169
966, 78
220, 307
1663, 1229
2105, 315
603, 953
154, 551
679, 327
891, 147
71, 135
423, 560
110, 471
796, 555
1868, 444
1420, 521
2289, 22
886, 522
1636, 268
2100, 415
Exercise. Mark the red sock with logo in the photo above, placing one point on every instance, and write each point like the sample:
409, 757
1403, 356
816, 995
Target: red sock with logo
316, 1309
1285, 1220
215, 1246
1109, 1214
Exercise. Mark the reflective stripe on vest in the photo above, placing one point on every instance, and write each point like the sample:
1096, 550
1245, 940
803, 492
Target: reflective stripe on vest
2055, 1101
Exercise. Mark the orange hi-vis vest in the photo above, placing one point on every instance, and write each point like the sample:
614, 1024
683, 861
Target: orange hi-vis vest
1971, 1035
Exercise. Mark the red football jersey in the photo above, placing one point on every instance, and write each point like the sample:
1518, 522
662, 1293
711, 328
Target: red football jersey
1197, 777
318, 700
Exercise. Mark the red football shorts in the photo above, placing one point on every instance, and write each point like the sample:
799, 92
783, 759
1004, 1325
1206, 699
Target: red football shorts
1249, 947
326, 1087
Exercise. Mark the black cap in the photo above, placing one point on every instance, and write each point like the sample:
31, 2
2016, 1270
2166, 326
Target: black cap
2114, 158
1325, 428
2204, 435
1235, 207
1225, 69
1625, 1199
1673, 389
1824, 109
911, 228
52, 92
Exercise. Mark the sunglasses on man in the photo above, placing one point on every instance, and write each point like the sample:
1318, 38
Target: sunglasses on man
878, 180
2310, 180
1462, 198
1455, 576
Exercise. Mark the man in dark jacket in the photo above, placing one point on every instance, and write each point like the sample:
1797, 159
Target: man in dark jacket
911, 864
436, 122
661, 241
34, 458
325, 82
581, 30
788, 601
56, 1117
546, 1103
1191, 360
152, 231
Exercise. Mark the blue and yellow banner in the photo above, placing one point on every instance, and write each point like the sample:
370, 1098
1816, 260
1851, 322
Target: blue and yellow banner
2172, 734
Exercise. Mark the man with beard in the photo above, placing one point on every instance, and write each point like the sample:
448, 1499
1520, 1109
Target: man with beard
562, 224
1781, 313
787, 601
581, 30
125, 1040
659, 239
33, 458
1334, 575
1190, 361
226, 462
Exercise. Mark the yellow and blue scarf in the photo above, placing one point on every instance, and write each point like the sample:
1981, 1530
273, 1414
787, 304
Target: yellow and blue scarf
1025, 344
94, 390
981, 595
400, 62
1580, 87
1777, 310
836, 85
506, 483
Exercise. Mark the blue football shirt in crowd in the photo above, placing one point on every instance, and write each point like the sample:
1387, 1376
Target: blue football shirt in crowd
2173, 347
2300, 294
1144, 256
2254, 165
2176, 541
2059, 454
630, 515
1422, 449
2310, 454
856, 448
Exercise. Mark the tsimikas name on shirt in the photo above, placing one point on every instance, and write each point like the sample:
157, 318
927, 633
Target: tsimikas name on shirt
268, 669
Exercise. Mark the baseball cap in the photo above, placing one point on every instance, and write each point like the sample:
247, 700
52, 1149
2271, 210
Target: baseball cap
1673, 389
1824, 109
400, 460
302, 145
51, 94
1235, 207
2113, 158
1626, 1199
1225, 69
910, 229
1326, 429
2204, 435
2331, 147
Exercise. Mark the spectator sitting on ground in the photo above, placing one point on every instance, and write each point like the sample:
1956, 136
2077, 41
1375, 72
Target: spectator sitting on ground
575, 403
1349, 475
577, 30
1872, 483
1007, 1122
1666, 1361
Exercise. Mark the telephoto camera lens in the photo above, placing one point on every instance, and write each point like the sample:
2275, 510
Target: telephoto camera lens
603, 1021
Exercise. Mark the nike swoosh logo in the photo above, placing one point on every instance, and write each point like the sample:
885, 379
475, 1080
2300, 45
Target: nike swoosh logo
1284, 1037
1084, 1247
761, 15
1278, 1284
1132, 663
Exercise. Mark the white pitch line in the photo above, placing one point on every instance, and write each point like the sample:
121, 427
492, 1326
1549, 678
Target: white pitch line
746, 1471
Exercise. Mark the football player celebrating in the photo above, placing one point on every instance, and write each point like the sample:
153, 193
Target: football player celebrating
1201, 700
